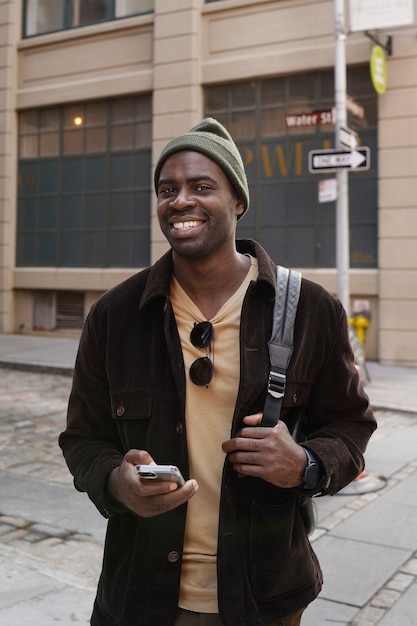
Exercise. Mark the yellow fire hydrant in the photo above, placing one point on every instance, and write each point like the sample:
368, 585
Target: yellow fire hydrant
360, 322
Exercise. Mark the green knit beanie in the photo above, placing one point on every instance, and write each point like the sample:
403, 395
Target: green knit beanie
212, 139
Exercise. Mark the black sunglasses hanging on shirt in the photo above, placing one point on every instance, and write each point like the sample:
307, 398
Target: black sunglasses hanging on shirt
201, 371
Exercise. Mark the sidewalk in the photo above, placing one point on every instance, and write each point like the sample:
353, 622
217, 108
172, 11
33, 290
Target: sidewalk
51, 536
391, 387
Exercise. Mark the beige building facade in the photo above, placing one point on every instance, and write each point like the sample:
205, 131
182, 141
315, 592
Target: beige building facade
85, 106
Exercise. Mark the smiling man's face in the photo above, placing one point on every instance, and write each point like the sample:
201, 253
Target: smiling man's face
197, 206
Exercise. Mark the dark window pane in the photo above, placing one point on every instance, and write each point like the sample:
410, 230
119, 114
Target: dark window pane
28, 178
121, 171
301, 247
120, 210
72, 212
363, 246
48, 177
141, 252
301, 203
47, 250
27, 214
141, 210
274, 241
120, 249
48, 212
328, 213
363, 206
26, 250
71, 250
95, 211
94, 249
95, 173
327, 246
141, 169
272, 205
72, 175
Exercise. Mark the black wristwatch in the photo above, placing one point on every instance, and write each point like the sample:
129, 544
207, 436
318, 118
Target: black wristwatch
312, 472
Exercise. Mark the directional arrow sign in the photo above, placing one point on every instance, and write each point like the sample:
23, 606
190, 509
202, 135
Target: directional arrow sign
333, 160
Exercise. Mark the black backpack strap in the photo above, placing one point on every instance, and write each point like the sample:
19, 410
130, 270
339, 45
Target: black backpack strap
281, 343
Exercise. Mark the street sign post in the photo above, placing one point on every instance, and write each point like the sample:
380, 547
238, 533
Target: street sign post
320, 161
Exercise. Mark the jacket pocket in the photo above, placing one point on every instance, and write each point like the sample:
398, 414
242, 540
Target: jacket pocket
131, 405
119, 551
111, 598
280, 552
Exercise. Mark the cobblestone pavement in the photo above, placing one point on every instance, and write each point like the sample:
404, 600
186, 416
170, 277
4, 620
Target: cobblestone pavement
42, 523
32, 414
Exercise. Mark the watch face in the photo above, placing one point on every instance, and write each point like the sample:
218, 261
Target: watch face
312, 471
311, 475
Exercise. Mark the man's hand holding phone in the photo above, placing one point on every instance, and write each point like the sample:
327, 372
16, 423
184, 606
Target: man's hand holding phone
148, 495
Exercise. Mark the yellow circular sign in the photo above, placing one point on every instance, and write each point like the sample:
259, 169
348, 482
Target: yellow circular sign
379, 70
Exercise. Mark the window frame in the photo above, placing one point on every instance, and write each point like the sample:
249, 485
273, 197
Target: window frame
66, 199
112, 8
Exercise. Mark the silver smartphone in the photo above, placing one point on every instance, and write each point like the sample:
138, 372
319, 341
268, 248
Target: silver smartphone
161, 473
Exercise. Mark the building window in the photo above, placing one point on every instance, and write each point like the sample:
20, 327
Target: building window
84, 184
286, 215
45, 16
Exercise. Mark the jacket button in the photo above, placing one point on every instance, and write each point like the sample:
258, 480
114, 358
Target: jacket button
179, 428
173, 556
294, 399
120, 410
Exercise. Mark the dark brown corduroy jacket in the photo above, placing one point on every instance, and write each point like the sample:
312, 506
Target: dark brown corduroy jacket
129, 392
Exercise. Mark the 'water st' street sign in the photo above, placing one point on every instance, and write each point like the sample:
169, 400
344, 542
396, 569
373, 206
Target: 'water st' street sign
320, 161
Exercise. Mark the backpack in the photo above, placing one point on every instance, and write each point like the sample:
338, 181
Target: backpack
287, 293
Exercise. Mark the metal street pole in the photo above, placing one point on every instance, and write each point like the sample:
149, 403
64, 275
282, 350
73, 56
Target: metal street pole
342, 202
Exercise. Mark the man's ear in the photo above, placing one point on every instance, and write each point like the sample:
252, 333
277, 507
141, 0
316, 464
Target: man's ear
240, 206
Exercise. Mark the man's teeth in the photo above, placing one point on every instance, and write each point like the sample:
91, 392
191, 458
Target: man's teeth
185, 225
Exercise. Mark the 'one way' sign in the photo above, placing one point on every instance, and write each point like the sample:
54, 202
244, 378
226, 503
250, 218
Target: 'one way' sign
333, 160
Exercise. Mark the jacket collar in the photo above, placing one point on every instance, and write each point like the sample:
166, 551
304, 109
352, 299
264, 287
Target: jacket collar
159, 277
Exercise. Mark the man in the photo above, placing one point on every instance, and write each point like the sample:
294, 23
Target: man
172, 368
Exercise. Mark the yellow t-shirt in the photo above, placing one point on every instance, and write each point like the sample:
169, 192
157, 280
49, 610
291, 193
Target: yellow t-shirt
208, 416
